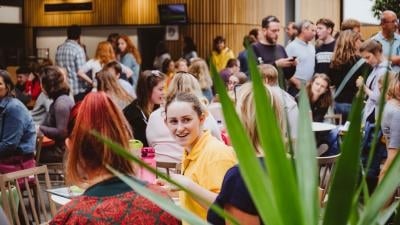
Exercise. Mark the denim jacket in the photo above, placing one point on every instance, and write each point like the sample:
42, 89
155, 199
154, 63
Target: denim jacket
17, 130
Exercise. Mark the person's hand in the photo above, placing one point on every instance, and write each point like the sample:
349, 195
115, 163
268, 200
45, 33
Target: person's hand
286, 62
31, 77
360, 81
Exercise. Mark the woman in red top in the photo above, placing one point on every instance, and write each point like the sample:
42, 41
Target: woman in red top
107, 200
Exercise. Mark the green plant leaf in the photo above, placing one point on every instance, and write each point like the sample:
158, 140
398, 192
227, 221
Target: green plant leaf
163, 202
277, 162
387, 213
345, 177
254, 176
118, 149
306, 163
382, 193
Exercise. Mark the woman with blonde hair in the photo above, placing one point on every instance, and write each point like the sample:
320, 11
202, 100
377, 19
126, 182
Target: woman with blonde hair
104, 54
390, 124
129, 56
111, 200
157, 133
199, 69
234, 197
108, 83
346, 56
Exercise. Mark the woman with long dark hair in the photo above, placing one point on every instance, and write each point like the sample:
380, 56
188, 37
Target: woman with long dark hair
149, 97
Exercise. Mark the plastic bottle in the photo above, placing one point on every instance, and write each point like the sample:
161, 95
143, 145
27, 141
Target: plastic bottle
135, 147
148, 156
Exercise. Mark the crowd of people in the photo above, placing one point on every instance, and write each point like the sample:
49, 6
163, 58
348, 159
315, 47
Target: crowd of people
169, 109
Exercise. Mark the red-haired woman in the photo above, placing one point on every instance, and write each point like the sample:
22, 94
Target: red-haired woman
107, 200
149, 97
130, 57
104, 54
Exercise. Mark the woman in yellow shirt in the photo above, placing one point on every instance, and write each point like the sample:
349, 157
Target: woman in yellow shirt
205, 159
220, 54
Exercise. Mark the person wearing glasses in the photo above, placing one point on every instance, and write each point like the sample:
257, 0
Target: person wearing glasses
389, 39
268, 51
150, 94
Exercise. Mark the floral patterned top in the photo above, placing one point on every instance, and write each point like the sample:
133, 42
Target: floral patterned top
112, 202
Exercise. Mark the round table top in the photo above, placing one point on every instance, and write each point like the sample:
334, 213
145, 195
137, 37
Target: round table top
317, 126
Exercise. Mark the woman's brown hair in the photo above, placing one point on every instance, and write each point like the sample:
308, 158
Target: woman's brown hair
147, 81
54, 81
86, 153
326, 98
345, 49
108, 83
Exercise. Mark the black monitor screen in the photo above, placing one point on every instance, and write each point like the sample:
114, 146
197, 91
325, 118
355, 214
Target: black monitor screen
173, 14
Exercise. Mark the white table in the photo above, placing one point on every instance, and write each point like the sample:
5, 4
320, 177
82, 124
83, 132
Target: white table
317, 126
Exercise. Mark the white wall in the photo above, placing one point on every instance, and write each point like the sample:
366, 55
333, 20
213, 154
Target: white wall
91, 36
10, 14
360, 10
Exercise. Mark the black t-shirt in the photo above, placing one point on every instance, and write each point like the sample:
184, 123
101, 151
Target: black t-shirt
268, 54
235, 193
138, 122
323, 57
350, 89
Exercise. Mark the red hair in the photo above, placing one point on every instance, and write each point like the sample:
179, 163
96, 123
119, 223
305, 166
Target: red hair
130, 48
104, 52
86, 153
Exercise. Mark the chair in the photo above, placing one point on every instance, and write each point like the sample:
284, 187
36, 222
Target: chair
39, 142
55, 170
167, 166
334, 118
28, 190
325, 169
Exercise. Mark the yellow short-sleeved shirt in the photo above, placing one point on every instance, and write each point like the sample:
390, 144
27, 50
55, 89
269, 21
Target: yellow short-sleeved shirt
206, 164
220, 59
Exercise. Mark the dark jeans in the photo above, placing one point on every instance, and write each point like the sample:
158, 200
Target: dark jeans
344, 109
331, 138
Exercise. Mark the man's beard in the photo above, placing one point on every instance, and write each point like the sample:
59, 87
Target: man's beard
270, 40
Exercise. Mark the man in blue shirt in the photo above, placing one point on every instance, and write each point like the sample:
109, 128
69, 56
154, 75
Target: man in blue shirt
389, 39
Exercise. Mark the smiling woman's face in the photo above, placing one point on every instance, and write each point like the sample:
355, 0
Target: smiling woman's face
184, 123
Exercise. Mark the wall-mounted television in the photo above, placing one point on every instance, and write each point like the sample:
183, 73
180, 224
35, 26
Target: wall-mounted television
172, 14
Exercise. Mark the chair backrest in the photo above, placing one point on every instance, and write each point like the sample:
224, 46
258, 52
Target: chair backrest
15, 194
334, 118
325, 169
167, 166
39, 142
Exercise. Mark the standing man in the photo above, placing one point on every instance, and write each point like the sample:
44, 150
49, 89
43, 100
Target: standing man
324, 51
267, 50
305, 53
71, 56
291, 31
389, 39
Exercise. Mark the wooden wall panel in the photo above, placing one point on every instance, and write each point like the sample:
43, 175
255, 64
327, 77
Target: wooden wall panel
316, 9
208, 18
368, 31
104, 13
